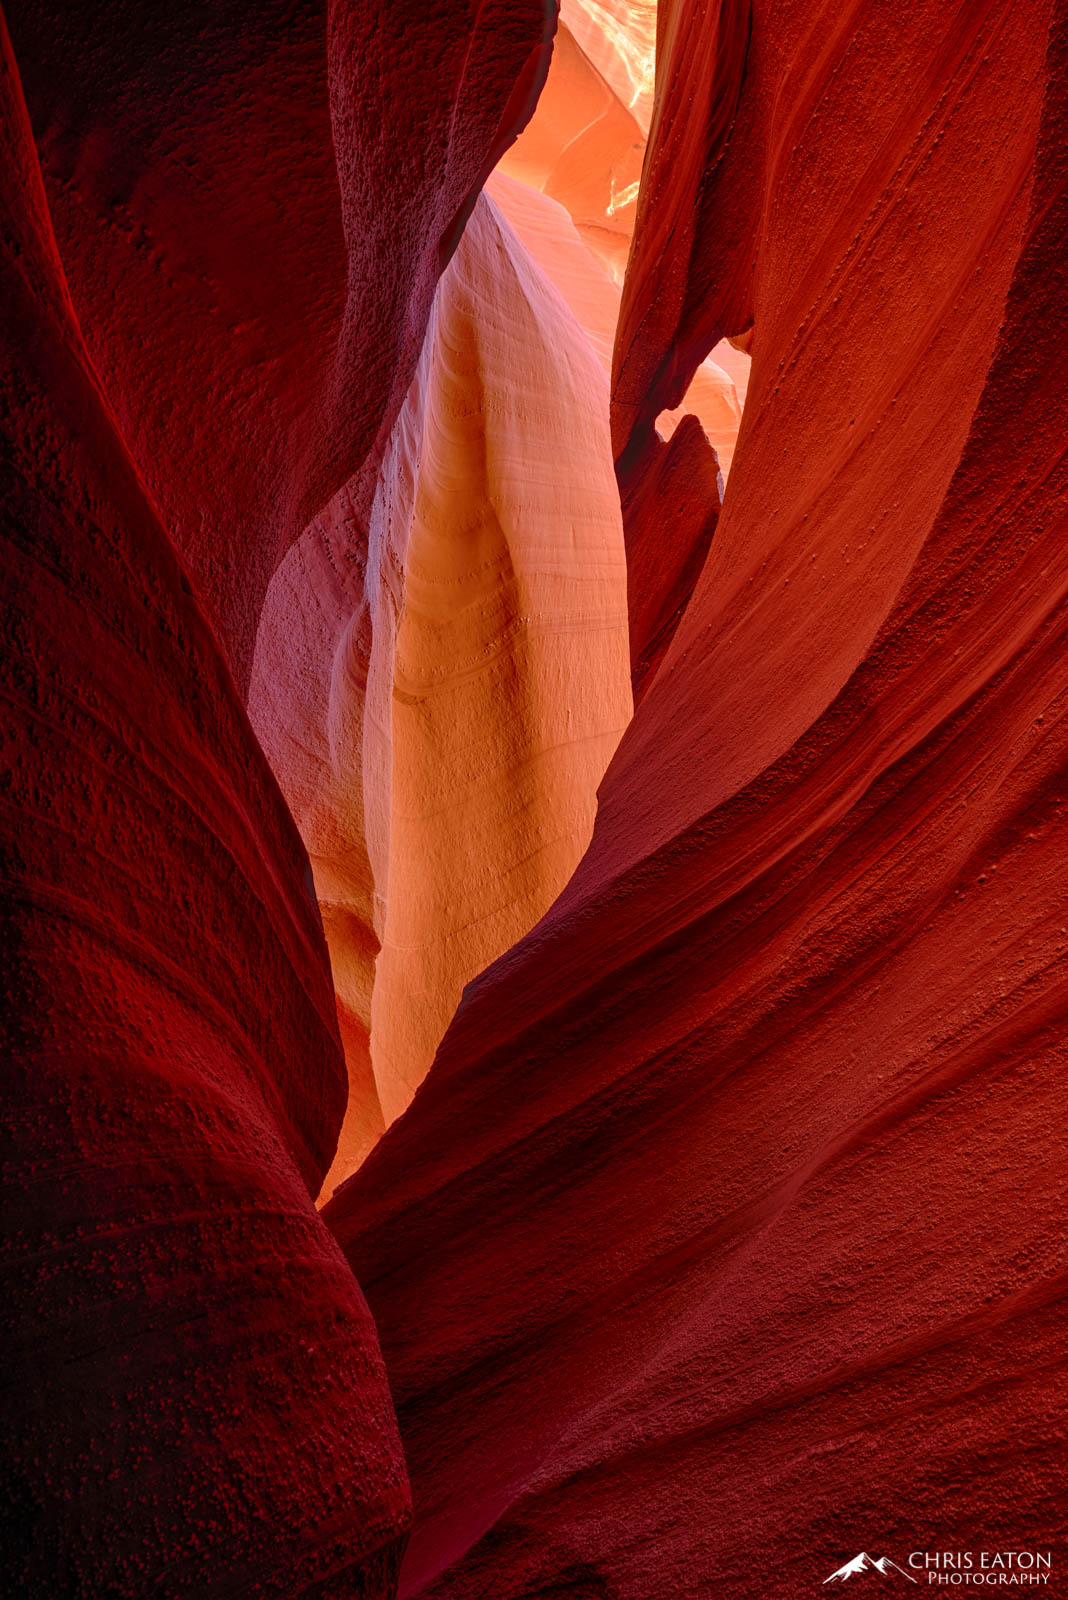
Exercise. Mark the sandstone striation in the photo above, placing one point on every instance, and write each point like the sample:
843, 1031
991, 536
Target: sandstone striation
195, 1398
441, 710
723, 1235
276, 189
728, 1224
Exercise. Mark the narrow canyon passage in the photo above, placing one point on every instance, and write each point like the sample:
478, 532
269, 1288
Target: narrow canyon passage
439, 719
535, 550
439, 686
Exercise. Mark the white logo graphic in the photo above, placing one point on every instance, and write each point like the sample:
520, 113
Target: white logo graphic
865, 1563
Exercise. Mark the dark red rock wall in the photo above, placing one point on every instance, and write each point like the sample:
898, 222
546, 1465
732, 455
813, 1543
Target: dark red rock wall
253, 204
670, 498
727, 1235
252, 207
194, 1397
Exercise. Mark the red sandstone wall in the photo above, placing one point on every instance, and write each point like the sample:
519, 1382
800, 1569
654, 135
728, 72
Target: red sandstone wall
174, 1080
727, 1233
253, 205
197, 1401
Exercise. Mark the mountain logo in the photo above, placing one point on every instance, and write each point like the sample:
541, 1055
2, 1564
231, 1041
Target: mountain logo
865, 1563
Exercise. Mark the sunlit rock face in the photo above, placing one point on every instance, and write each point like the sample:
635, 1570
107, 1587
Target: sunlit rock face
548, 233
728, 1224
569, 186
618, 38
584, 148
441, 710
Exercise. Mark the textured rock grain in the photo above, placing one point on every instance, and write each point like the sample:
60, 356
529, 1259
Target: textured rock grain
728, 1225
276, 188
441, 717
195, 1401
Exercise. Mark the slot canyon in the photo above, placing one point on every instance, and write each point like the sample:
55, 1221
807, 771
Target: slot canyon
535, 915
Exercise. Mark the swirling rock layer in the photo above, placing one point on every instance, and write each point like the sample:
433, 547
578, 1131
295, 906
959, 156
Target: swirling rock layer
728, 1225
195, 1400
441, 713
726, 1232
276, 189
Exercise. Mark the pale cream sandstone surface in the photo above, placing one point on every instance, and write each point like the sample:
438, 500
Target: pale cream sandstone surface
441, 692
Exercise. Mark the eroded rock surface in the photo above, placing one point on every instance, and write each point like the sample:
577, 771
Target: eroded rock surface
440, 714
195, 1398
253, 206
728, 1224
726, 1229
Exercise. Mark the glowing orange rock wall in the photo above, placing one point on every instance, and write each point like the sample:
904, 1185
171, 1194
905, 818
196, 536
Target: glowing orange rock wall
618, 38
551, 237
440, 720
570, 187
584, 148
